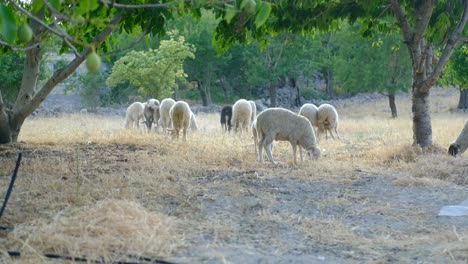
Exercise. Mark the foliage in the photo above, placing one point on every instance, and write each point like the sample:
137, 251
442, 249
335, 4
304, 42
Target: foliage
362, 65
456, 69
11, 73
155, 71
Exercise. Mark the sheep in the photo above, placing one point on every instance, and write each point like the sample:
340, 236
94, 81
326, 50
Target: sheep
152, 113
309, 111
254, 111
254, 134
327, 120
241, 115
284, 125
226, 115
134, 113
181, 115
461, 144
164, 108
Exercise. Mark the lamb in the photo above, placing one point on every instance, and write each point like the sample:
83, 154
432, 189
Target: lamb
181, 115
309, 111
284, 125
134, 113
164, 108
226, 115
241, 115
327, 120
461, 144
254, 111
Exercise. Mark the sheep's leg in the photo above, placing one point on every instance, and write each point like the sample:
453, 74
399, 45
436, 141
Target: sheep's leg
184, 131
294, 148
260, 149
331, 134
268, 151
337, 133
267, 141
300, 154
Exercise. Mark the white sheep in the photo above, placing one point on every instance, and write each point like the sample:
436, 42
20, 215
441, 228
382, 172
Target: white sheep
461, 144
309, 111
241, 115
327, 120
254, 111
181, 115
133, 115
165, 118
152, 107
284, 125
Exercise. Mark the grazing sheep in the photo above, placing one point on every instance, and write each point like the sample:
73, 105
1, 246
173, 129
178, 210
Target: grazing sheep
148, 113
241, 115
134, 114
154, 104
181, 115
254, 111
226, 115
461, 144
327, 120
165, 118
309, 111
284, 125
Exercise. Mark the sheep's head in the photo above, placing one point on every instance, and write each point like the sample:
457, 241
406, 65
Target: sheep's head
313, 153
454, 149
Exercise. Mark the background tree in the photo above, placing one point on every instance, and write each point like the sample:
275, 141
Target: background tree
365, 65
456, 74
155, 71
424, 25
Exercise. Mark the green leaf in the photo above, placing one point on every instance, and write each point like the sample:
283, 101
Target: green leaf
88, 5
8, 24
263, 14
56, 4
37, 5
243, 3
230, 13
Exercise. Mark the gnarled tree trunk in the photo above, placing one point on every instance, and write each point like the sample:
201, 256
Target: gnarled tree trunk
463, 101
273, 95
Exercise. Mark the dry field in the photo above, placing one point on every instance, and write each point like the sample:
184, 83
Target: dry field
89, 188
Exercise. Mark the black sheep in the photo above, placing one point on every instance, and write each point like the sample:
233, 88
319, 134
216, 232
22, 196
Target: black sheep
226, 122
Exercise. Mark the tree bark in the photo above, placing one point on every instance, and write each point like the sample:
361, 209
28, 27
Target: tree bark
202, 93
422, 127
5, 136
463, 101
393, 108
273, 95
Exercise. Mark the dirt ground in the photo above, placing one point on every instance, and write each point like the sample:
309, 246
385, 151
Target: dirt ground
367, 200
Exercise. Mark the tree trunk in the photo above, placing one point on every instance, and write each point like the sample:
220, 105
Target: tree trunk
391, 102
273, 90
422, 127
5, 136
463, 101
202, 93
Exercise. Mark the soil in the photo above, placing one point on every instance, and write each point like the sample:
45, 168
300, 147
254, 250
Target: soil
267, 214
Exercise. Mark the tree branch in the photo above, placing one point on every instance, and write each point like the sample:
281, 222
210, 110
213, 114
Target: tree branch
452, 42
61, 34
462, 41
134, 43
163, 5
421, 19
18, 48
402, 21
63, 73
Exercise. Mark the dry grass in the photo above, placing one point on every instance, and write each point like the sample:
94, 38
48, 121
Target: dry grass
89, 187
